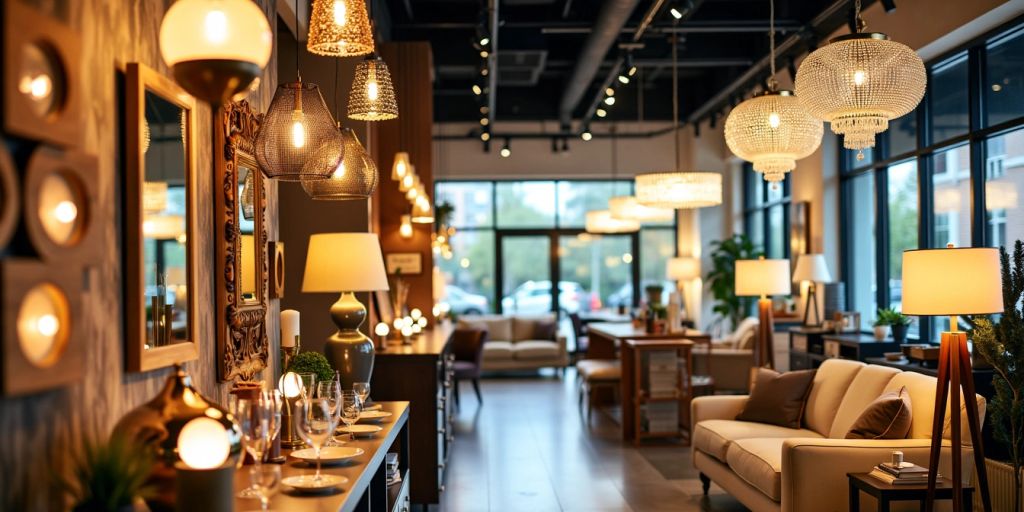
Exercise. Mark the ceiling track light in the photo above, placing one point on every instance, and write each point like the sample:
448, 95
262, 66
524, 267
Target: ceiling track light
610, 100
601, 112
506, 151
586, 135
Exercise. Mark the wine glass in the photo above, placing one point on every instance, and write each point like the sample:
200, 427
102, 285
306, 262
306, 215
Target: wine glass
330, 391
253, 418
351, 407
265, 480
315, 424
275, 402
363, 390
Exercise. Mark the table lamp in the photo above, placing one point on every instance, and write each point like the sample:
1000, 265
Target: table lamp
346, 263
813, 269
930, 289
763, 278
683, 270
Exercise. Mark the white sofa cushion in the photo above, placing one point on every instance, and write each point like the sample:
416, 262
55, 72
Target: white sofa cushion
535, 349
827, 391
713, 437
868, 385
499, 328
497, 351
758, 461
524, 327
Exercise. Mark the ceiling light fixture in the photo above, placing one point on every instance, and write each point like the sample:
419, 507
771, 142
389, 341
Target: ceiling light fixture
372, 97
629, 208
507, 150
477, 90
485, 136
298, 139
610, 100
340, 28
601, 112
354, 178
586, 135
859, 82
772, 130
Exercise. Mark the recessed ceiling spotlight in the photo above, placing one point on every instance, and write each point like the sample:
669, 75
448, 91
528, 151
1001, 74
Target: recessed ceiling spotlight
601, 112
485, 136
507, 150
610, 91
610, 100
586, 135
477, 90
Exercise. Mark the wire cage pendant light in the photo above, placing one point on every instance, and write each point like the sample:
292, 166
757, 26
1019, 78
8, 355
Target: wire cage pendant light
372, 97
354, 178
340, 28
859, 82
298, 139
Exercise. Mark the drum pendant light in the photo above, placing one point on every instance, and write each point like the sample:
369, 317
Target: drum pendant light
772, 130
340, 28
604, 221
215, 48
372, 97
859, 82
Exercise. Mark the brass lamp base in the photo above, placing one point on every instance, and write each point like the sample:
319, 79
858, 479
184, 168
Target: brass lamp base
349, 351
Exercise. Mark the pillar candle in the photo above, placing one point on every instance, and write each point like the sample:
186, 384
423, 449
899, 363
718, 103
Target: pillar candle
289, 327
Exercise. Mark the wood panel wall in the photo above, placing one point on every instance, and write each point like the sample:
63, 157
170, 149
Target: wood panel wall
41, 432
411, 69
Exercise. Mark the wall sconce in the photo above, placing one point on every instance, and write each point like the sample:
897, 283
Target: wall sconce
59, 203
10, 195
406, 228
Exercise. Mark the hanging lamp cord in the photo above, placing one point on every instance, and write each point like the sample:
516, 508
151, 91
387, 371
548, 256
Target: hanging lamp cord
298, 73
675, 93
772, 84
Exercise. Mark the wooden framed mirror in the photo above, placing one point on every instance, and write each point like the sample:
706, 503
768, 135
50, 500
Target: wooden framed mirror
159, 221
242, 273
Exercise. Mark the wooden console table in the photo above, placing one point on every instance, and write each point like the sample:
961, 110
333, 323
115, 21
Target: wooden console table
367, 489
606, 337
636, 395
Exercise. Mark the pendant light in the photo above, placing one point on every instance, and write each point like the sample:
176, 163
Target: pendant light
372, 97
401, 166
339, 28
772, 130
602, 221
859, 82
215, 48
678, 189
298, 139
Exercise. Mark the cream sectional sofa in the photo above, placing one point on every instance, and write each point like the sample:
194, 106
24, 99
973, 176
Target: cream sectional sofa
772, 468
513, 342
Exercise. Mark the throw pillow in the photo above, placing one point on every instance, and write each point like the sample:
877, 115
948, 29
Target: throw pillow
888, 417
778, 398
545, 330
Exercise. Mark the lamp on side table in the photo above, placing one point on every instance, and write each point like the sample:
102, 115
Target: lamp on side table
763, 278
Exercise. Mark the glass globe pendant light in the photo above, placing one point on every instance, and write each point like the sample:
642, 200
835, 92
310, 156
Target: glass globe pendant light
772, 130
354, 178
372, 97
340, 28
215, 48
859, 82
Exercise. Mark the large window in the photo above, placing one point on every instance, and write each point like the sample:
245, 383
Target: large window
948, 173
514, 238
766, 213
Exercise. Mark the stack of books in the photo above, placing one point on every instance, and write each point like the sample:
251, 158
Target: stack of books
906, 473
393, 474
660, 417
662, 373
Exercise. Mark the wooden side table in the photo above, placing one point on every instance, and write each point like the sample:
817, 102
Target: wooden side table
888, 493
635, 396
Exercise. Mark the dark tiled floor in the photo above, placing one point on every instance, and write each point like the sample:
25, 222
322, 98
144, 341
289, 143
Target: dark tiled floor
528, 449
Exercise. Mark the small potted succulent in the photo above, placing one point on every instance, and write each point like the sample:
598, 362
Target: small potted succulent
900, 323
882, 322
111, 476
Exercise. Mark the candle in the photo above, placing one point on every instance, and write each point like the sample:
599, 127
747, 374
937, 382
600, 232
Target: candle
289, 327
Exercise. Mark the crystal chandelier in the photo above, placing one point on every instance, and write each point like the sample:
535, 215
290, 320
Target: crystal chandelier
372, 97
772, 130
602, 222
628, 208
354, 178
340, 28
859, 82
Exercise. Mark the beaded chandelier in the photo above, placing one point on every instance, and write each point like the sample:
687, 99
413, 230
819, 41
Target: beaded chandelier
354, 178
340, 28
628, 208
859, 82
679, 190
602, 222
372, 97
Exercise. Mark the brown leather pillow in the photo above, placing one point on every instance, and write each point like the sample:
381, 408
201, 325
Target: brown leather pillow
778, 398
545, 330
888, 417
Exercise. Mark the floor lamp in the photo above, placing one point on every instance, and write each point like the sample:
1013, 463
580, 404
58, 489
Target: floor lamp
928, 290
813, 269
763, 278
682, 270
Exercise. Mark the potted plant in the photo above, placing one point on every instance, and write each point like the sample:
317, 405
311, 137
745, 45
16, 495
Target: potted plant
111, 476
722, 277
312, 362
1002, 345
900, 323
883, 319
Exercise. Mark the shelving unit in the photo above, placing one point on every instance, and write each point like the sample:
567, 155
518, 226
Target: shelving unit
658, 375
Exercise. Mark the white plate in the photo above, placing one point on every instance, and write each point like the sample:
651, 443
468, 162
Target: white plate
373, 407
328, 455
373, 415
307, 482
361, 430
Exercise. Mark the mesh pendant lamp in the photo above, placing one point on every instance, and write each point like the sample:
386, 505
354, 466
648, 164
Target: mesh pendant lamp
298, 139
372, 97
340, 28
859, 82
354, 178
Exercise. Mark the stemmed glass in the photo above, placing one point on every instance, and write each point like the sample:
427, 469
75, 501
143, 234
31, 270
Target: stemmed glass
363, 390
265, 480
275, 402
254, 419
330, 391
351, 407
316, 423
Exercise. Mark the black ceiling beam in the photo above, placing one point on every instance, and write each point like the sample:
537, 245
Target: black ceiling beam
573, 27
562, 134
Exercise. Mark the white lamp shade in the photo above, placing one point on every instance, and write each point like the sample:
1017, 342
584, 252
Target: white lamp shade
344, 262
683, 268
232, 30
762, 277
628, 208
602, 222
952, 281
813, 268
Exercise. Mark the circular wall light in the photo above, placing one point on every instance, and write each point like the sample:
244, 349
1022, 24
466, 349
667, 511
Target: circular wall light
44, 320
60, 197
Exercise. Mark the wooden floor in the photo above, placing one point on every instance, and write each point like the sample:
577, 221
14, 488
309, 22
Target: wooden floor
528, 449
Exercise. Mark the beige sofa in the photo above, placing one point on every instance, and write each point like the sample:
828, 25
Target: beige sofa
513, 342
730, 358
772, 468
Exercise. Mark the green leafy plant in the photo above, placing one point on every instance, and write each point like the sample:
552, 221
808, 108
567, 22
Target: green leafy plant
312, 362
722, 276
887, 316
110, 476
443, 214
1002, 345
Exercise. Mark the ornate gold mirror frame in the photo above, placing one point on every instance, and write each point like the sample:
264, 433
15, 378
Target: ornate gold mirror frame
242, 272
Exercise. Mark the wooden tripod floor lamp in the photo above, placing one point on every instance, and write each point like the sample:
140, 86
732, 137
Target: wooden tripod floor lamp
928, 291
763, 278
